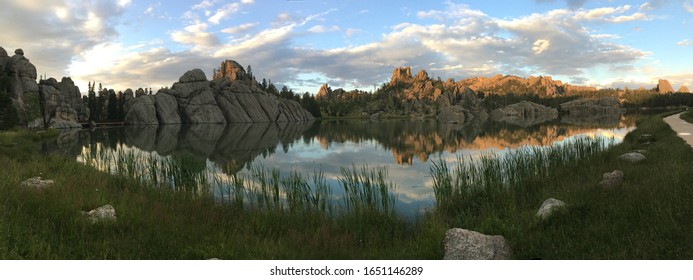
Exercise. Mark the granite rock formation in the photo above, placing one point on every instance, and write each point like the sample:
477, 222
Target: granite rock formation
232, 97
22, 86
663, 86
63, 107
606, 110
683, 89
524, 113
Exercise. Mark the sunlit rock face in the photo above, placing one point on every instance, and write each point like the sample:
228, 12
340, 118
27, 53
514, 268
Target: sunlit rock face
233, 96
663, 86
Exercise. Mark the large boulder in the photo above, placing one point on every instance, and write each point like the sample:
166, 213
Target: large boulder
462, 244
524, 113
632, 157
452, 114
141, 111
166, 108
548, 207
663, 86
605, 111
201, 108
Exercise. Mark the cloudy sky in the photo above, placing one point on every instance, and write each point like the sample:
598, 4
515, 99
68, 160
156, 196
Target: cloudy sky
354, 44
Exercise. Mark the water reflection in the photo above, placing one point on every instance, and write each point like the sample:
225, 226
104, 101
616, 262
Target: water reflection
404, 148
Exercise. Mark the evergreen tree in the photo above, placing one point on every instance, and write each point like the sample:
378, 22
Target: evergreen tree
272, 89
112, 108
250, 72
263, 86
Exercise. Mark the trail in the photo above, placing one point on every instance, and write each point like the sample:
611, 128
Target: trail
682, 128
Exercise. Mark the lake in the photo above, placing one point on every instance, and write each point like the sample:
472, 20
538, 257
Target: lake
404, 148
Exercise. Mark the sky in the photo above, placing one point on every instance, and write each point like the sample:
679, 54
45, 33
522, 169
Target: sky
354, 44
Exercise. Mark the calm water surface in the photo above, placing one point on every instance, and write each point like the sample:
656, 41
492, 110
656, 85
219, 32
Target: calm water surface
405, 148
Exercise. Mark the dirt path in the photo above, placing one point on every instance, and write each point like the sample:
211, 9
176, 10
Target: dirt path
683, 128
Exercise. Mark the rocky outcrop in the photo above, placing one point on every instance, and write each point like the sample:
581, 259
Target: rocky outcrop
606, 110
549, 207
62, 104
524, 113
462, 244
230, 69
663, 86
232, 97
22, 86
401, 74
324, 92
542, 85
683, 89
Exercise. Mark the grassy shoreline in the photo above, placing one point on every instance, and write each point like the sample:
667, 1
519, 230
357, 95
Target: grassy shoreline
644, 218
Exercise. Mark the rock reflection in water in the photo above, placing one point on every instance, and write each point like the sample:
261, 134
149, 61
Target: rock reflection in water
230, 146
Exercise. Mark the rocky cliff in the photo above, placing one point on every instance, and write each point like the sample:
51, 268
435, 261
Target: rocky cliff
22, 86
231, 97
63, 107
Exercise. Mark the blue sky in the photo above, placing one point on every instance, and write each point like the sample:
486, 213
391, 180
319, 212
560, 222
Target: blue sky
354, 44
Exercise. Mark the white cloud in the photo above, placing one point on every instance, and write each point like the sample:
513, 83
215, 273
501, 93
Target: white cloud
684, 43
465, 43
688, 7
653, 4
540, 46
240, 28
323, 29
195, 35
124, 3
224, 12
633, 17
51, 33
205, 4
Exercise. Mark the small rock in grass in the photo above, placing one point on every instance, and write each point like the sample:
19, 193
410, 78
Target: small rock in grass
36, 183
462, 244
101, 214
549, 206
612, 179
632, 157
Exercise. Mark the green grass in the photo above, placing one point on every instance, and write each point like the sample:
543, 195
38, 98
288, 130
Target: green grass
644, 218
688, 116
170, 217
